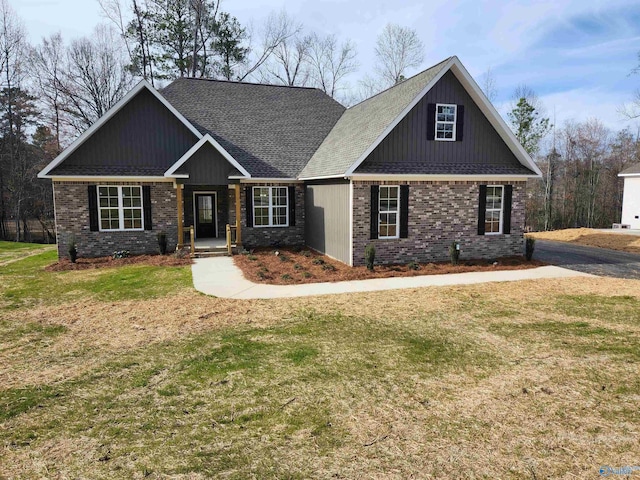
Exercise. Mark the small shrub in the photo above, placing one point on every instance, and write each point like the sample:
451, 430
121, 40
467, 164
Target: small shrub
370, 256
286, 276
318, 261
413, 266
162, 243
306, 275
263, 269
283, 257
120, 254
306, 253
454, 252
183, 253
529, 247
253, 258
328, 267
73, 251
261, 275
297, 266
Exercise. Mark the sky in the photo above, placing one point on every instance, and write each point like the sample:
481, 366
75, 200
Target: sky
577, 55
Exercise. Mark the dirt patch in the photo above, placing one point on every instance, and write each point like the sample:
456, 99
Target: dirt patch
592, 238
109, 262
287, 266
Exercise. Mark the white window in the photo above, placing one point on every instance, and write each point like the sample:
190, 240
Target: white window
120, 208
270, 207
493, 210
446, 122
388, 212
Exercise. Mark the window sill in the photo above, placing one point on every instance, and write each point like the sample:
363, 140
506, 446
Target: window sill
269, 226
123, 230
445, 139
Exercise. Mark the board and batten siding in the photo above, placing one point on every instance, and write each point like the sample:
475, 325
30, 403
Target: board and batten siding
144, 134
407, 150
207, 166
328, 219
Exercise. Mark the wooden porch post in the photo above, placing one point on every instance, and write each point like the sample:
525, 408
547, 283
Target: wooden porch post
180, 214
238, 219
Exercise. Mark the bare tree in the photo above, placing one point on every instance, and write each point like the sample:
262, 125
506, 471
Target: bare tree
47, 65
398, 49
278, 28
96, 77
331, 62
489, 85
289, 63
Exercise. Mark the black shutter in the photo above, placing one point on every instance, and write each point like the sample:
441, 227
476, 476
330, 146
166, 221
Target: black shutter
249, 206
93, 208
146, 206
292, 206
404, 211
506, 209
459, 123
375, 195
482, 208
431, 121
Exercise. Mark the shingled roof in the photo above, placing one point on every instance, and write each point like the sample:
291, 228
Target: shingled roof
632, 170
271, 130
362, 124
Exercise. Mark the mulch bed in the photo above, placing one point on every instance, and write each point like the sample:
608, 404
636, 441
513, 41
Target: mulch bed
295, 266
109, 262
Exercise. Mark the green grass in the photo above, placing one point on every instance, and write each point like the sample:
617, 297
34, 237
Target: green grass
26, 283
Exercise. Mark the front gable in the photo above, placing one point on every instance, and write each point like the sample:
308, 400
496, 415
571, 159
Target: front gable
410, 148
141, 136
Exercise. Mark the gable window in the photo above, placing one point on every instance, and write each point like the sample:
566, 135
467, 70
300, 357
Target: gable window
270, 207
120, 208
446, 122
494, 210
388, 211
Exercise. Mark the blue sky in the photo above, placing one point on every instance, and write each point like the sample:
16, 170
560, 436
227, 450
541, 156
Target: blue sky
577, 55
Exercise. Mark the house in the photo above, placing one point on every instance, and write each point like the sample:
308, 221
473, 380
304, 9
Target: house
631, 197
411, 169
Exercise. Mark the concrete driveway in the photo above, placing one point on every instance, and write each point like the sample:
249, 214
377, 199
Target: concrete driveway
593, 260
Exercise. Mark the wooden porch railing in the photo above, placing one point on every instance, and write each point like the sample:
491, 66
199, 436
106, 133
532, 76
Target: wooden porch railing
192, 234
232, 235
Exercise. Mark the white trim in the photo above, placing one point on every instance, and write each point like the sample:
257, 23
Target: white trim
121, 208
629, 174
78, 178
266, 180
323, 177
207, 138
215, 209
501, 219
440, 178
351, 223
107, 116
396, 211
455, 120
479, 98
270, 206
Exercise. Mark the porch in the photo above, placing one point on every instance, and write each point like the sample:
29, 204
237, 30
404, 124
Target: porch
208, 219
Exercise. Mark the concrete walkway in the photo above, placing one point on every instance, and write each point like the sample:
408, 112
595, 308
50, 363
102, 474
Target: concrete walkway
220, 277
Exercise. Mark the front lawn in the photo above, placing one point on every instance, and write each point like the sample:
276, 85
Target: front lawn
145, 378
286, 266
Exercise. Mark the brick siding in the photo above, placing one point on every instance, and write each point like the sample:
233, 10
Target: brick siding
439, 213
72, 221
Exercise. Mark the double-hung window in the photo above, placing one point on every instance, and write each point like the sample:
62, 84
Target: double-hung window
388, 212
270, 207
446, 122
494, 210
120, 208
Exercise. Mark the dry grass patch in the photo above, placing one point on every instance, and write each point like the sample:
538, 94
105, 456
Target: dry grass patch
592, 238
535, 379
286, 266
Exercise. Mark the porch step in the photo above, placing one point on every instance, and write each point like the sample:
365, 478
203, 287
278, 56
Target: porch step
203, 253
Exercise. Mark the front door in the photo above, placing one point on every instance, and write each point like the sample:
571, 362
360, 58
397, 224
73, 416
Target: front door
205, 204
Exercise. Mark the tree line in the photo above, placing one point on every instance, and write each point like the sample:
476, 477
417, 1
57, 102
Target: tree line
52, 91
